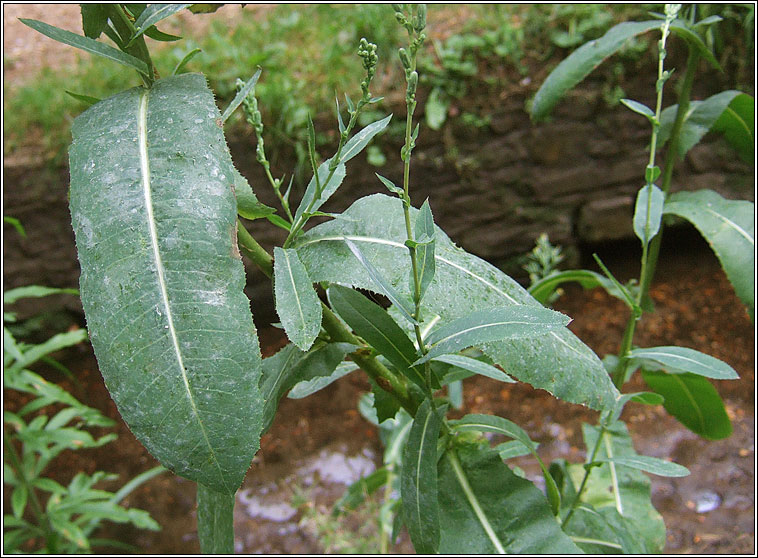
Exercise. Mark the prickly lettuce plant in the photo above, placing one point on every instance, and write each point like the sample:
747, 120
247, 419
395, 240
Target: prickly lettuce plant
158, 208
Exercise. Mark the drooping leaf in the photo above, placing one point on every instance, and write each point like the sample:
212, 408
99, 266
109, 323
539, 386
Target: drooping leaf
737, 123
682, 29
648, 211
619, 493
699, 120
376, 326
693, 401
297, 303
485, 508
360, 140
580, 63
161, 284
291, 366
215, 521
425, 252
542, 289
682, 359
729, 227
86, 44
483, 326
418, 481
555, 361
152, 15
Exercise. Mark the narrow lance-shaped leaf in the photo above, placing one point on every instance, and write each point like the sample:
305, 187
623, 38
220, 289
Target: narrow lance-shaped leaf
86, 44
484, 326
162, 284
305, 388
240, 96
297, 303
648, 212
425, 251
376, 326
729, 227
542, 289
418, 483
152, 15
327, 189
580, 63
683, 359
693, 401
360, 140
648, 464
475, 366
383, 286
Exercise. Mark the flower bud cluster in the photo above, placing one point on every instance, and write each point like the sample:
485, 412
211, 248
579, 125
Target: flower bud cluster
367, 52
253, 117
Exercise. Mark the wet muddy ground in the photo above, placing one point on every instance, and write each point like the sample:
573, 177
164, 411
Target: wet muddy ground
318, 445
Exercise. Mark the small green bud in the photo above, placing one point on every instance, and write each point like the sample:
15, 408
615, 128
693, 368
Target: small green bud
404, 58
401, 18
397, 7
412, 83
419, 22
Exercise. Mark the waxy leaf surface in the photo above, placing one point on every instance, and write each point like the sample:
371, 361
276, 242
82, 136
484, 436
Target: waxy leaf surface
155, 219
555, 360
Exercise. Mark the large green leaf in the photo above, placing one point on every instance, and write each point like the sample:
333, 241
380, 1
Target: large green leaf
619, 493
155, 221
729, 227
555, 361
297, 304
418, 482
701, 118
693, 401
580, 63
485, 508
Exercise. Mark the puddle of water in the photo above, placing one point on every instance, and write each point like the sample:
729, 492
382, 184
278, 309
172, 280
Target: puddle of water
332, 466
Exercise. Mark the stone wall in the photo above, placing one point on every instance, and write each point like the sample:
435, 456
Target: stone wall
493, 189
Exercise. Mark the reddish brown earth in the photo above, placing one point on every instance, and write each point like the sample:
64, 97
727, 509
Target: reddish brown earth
317, 444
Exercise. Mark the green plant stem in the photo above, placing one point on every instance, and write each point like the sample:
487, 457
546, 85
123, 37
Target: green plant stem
126, 29
215, 521
337, 331
693, 58
42, 519
651, 252
583, 485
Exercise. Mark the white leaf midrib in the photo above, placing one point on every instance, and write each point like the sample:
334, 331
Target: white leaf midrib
147, 191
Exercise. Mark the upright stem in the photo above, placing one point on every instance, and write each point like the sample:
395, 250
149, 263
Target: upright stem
125, 29
693, 58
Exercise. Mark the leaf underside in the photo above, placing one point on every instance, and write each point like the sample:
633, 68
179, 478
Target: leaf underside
154, 214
